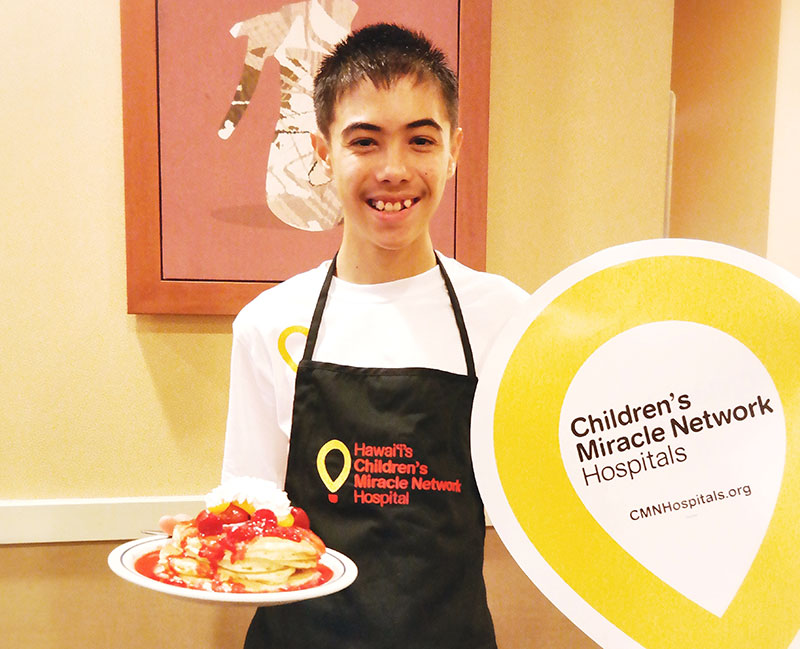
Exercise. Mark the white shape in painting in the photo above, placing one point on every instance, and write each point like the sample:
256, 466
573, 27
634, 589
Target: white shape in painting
298, 35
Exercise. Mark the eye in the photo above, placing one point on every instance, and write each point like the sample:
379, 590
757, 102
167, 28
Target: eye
422, 141
362, 143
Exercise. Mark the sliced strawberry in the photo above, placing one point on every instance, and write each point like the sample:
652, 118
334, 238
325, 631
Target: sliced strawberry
242, 533
300, 518
266, 515
208, 524
234, 514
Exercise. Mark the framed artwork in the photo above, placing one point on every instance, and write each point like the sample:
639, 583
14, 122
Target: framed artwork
221, 197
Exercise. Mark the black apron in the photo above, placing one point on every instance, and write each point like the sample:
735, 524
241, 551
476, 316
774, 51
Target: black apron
380, 460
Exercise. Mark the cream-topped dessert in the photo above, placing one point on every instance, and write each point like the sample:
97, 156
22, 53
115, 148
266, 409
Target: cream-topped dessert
249, 538
250, 494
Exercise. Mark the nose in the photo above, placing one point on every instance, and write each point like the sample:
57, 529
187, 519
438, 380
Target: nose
393, 166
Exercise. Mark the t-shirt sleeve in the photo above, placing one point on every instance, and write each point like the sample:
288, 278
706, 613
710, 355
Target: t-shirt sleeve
488, 302
255, 445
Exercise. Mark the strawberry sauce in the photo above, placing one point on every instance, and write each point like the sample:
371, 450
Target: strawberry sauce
145, 565
220, 536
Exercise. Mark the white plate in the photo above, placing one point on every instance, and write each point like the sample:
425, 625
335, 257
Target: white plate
123, 558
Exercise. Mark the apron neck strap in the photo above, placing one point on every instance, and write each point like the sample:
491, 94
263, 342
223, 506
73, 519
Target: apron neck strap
313, 330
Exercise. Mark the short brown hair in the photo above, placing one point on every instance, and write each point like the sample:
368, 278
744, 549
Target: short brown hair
382, 53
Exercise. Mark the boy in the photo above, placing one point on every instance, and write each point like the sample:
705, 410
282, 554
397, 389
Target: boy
371, 435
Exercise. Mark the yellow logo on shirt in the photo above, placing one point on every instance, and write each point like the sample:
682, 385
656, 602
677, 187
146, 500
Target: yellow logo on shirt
283, 351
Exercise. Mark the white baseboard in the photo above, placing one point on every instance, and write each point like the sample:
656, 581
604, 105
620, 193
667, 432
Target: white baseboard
88, 519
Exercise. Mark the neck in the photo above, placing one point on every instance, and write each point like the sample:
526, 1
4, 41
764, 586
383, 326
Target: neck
378, 265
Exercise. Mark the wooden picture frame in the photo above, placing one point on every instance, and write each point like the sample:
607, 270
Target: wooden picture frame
148, 289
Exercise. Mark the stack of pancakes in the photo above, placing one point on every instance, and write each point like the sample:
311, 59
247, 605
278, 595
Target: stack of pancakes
259, 564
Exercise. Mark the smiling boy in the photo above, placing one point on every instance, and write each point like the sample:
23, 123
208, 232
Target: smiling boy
390, 152
376, 355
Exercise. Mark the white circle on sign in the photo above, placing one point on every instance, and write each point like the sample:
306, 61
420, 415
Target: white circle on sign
704, 452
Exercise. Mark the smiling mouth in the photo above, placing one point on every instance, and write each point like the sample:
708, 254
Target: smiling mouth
391, 206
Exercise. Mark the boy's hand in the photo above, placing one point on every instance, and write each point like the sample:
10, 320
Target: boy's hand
167, 523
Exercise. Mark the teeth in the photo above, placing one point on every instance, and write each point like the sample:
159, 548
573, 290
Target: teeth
392, 207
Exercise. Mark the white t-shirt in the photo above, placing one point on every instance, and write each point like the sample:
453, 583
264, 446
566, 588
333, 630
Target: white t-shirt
404, 323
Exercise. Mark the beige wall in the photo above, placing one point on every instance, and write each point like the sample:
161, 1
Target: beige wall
784, 207
94, 402
578, 131
724, 75
97, 403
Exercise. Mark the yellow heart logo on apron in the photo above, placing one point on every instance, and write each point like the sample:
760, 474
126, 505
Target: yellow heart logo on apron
644, 451
333, 484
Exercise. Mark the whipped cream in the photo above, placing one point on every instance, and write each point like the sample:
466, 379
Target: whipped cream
261, 494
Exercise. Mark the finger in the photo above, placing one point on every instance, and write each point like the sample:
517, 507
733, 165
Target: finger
167, 523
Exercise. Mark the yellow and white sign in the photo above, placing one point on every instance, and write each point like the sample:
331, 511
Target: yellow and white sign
636, 440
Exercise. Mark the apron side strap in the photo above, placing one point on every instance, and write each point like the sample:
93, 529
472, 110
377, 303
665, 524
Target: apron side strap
462, 328
313, 329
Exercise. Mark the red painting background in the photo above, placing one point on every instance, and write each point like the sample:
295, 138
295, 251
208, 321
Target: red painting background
214, 217
199, 236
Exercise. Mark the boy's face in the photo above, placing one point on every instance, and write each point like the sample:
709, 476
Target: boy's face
390, 152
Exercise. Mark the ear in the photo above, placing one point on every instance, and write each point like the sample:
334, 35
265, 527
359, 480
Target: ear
455, 150
321, 149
